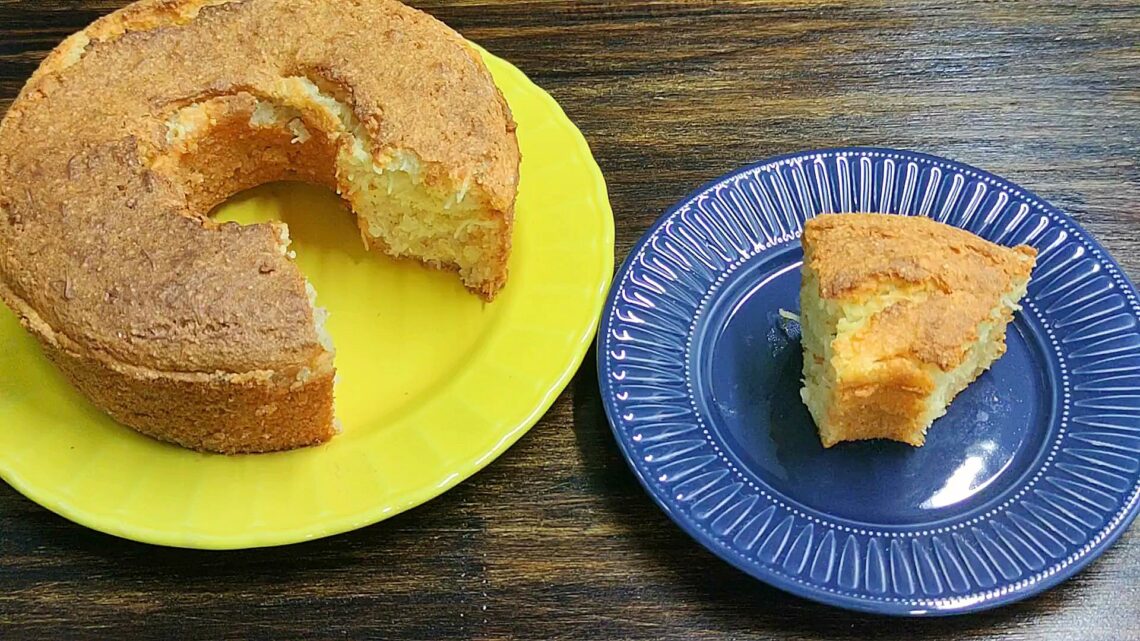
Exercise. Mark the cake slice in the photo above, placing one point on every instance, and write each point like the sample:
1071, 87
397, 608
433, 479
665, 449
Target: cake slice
899, 314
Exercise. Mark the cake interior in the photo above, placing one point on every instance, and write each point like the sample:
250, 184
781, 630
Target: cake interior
828, 323
444, 223
446, 226
301, 131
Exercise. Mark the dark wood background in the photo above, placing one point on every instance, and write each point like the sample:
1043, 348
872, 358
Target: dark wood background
556, 539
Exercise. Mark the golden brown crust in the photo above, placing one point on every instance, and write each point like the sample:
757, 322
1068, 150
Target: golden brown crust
955, 275
854, 253
104, 241
928, 288
224, 413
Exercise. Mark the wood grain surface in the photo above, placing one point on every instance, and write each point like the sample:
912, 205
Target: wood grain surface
556, 540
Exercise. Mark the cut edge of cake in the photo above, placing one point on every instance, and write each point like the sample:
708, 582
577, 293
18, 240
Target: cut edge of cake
877, 393
402, 209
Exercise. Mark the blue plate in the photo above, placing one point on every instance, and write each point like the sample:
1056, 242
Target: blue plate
1032, 473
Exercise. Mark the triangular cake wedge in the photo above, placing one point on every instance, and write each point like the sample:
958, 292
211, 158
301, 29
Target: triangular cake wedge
899, 314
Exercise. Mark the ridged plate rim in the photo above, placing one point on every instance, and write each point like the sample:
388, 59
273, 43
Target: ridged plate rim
607, 363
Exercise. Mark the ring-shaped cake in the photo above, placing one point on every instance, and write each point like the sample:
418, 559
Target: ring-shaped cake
131, 131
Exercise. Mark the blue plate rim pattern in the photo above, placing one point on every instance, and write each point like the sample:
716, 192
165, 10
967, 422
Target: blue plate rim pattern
1001, 593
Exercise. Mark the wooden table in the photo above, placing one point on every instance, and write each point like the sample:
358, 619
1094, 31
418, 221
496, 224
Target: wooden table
556, 539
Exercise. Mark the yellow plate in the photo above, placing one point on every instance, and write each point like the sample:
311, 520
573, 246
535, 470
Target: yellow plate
433, 384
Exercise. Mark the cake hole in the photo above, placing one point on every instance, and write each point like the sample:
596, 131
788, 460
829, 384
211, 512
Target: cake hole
297, 130
401, 332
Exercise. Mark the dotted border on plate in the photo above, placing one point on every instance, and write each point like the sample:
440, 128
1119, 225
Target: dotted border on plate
779, 499
945, 602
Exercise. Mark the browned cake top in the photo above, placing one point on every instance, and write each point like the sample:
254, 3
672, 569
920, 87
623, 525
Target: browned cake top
940, 281
114, 255
852, 253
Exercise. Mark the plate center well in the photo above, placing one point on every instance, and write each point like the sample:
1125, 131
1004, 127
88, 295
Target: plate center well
401, 330
747, 365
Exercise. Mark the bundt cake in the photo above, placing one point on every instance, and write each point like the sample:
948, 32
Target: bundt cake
112, 157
